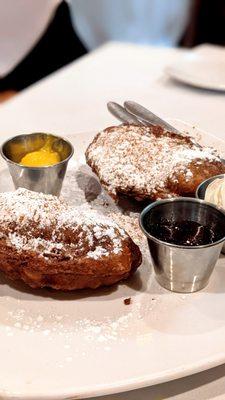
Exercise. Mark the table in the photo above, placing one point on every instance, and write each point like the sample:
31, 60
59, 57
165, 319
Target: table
73, 100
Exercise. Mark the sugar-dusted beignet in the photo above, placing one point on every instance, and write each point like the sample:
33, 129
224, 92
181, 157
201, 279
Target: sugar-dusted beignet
45, 242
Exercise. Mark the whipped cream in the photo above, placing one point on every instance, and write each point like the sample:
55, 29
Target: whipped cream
215, 192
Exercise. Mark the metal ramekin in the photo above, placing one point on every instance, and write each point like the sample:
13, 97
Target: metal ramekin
46, 179
183, 269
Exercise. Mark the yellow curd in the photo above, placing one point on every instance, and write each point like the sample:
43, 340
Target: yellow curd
41, 158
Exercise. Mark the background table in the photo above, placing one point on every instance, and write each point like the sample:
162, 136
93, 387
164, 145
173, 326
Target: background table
73, 100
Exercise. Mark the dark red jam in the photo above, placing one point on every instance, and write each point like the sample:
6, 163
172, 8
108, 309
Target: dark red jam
184, 233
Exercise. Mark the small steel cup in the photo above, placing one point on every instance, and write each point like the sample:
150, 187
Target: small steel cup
179, 268
201, 189
47, 179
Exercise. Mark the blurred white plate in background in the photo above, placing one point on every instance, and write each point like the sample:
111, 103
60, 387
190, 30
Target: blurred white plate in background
203, 67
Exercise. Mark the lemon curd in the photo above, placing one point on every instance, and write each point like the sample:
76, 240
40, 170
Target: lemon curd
43, 157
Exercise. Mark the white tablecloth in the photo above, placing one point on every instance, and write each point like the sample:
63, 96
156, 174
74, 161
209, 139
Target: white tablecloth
74, 100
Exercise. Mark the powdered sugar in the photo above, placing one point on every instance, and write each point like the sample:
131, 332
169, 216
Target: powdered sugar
97, 253
92, 232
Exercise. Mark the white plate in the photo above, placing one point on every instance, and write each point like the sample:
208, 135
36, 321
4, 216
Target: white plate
202, 67
76, 345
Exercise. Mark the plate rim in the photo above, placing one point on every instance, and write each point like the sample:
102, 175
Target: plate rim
120, 386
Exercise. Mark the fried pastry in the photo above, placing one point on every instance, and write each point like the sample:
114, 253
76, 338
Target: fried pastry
150, 163
45, 242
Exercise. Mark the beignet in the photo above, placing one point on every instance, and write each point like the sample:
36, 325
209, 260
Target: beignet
45, 242
150, 163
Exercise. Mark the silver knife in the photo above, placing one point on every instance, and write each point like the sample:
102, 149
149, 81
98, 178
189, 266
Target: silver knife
146, 115
120, 113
